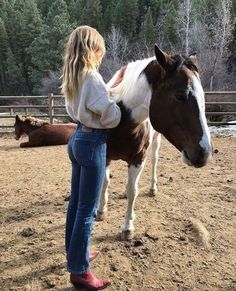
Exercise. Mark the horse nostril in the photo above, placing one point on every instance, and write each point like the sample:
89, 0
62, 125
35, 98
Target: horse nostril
201, 159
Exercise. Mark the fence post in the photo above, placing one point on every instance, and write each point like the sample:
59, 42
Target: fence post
50, 105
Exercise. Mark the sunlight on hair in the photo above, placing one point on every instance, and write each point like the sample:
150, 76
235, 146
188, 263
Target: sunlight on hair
84, 52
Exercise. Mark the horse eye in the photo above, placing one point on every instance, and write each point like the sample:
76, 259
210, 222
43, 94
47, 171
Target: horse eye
182, 97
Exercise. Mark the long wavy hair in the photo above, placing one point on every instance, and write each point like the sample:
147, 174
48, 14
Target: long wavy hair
84, 52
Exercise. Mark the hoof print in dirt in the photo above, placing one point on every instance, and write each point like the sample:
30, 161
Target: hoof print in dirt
67, 198
138, 242
27, 232
114, 268
100, 216
150, 235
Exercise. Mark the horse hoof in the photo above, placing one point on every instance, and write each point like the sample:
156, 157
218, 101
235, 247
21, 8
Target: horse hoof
127, 235
100, 216
124, 196
152, 192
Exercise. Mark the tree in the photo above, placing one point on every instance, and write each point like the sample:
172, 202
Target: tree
185, 20
221, 30
48, 48
147, 34
4, 45
169, 28
92, 14
126, 17
15, 80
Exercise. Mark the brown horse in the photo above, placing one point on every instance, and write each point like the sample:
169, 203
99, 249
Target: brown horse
164, 91
42, 133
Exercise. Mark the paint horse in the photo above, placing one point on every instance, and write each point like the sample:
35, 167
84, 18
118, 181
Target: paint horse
166, 92
42, 133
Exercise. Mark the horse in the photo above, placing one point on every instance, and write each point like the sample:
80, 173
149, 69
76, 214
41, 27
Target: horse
163, 94
42, 133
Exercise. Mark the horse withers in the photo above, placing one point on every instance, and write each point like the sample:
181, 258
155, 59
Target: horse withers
42, 133
164, 91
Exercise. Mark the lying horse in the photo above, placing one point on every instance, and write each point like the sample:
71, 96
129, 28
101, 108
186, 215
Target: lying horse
42, 133
166, 92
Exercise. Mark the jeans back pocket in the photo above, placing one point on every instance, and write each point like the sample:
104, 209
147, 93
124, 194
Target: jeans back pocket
83, 150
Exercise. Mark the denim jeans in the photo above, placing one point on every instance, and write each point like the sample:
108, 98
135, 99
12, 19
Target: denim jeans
87, 152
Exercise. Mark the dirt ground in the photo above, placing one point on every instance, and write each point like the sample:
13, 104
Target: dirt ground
167, 253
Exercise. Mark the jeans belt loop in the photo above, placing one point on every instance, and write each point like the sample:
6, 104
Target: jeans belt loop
86, 129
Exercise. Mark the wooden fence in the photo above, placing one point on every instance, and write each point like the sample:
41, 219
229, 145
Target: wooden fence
48, 107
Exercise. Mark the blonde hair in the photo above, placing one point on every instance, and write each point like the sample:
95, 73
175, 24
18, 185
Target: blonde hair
84, 52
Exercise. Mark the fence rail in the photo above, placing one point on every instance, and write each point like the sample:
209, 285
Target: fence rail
50, 107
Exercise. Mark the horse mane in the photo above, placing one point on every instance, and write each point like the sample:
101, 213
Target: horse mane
35, 121
123, 90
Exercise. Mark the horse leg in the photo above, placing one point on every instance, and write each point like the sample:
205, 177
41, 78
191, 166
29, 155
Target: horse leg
35, 139
104, 197
154, 157
134, 173
25, 144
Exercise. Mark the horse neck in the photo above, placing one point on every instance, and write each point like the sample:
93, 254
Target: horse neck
138, 96
27, 127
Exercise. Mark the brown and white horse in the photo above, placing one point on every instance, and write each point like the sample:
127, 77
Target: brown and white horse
42, 133
166, 92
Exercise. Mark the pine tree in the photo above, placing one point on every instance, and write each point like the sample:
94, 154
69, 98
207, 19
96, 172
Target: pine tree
22, 24
108, 12
48, 48
4, 45
14, 78
92, 14
170, 27
147, 34
126, 17
43, 6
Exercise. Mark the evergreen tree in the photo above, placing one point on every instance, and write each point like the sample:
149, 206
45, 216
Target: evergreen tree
144, 5
43, 6
22, 24
14, 78
48, 48
92, 14
126, 17
109, 12
147, 34
170, 27
4, 45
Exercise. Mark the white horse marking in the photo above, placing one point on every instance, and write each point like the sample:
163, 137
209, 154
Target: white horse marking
134, 90
198, 92
154, 156
104, 195
132, 193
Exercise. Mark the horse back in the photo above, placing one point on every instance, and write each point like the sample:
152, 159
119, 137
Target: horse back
53, 134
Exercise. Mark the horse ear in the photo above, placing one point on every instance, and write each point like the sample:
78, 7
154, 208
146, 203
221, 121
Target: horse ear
165, 61
18, 117
193, 58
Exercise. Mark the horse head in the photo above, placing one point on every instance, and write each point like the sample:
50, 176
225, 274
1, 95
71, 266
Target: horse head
18, 127
177, 107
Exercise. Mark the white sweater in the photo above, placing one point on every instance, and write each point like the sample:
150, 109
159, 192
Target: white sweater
92, 107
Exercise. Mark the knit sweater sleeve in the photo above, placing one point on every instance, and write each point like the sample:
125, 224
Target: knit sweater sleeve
99, 103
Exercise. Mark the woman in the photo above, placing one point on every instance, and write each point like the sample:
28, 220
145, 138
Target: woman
87, 103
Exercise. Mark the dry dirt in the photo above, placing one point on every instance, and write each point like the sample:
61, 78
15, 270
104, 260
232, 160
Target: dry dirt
167, 253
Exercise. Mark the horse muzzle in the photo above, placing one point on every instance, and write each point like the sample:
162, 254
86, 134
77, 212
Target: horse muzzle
198, 159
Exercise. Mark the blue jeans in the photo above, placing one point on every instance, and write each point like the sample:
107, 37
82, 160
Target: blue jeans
87, 152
